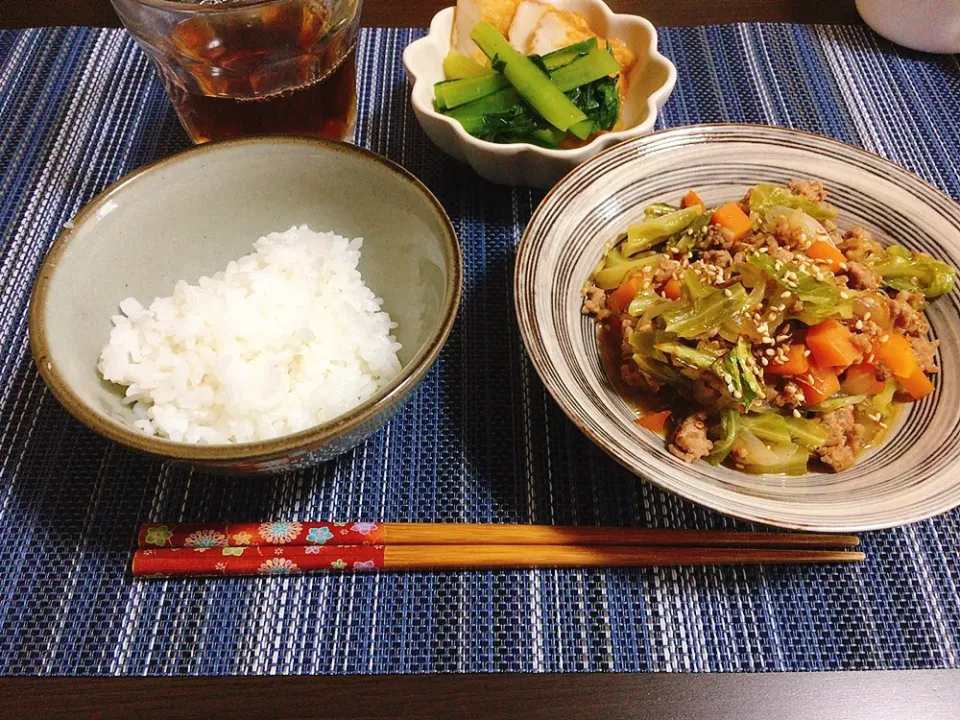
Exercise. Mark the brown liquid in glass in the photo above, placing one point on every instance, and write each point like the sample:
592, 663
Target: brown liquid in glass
265, 73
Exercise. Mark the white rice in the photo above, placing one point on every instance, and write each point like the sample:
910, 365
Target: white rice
283, 339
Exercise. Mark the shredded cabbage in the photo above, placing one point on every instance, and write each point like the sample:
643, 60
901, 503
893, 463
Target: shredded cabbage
612, 275
706, 313
654, 230
835, 402
902, 270
729, 426
765, 197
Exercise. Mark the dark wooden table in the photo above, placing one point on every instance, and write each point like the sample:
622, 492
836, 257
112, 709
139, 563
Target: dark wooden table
927, 695
417, 13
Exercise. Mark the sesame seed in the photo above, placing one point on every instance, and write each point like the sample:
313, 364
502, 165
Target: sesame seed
870, 358
796, 413
727, 293
806, 353
882, 424
859, 325
764, 361
778, 265
785, 294
781, 338
866, 316
764, 249
647, 269
770, 351
844, 296
728, 378
843, 266
884, 338
737, 394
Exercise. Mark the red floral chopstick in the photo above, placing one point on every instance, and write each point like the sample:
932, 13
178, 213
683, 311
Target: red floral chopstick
282, 532
258, 560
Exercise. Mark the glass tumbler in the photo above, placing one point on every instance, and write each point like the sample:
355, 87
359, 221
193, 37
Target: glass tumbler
251, 67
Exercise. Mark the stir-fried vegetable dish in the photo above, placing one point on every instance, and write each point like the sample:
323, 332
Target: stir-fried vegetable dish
762, 335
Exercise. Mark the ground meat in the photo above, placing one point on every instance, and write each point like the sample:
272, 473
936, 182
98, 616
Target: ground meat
785, 236
781, 254
716, 238
595, 302
857, 245
690, 442
790, 396
861, 277
717, 258
844, 438
813, 190
665, 270
926, 352
862, 342
906, 317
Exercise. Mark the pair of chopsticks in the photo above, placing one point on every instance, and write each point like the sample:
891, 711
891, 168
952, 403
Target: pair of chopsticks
286, 547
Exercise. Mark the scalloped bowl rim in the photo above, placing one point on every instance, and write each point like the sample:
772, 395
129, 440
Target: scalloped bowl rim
600, 141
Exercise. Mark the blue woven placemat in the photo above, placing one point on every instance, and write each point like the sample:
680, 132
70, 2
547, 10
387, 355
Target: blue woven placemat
481, 441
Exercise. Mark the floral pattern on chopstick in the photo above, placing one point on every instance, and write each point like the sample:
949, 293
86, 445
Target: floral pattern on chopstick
274, 533
256, 560
205, 539
279, 532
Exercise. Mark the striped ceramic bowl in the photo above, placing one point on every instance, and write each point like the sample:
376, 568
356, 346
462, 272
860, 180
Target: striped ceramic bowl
914, 475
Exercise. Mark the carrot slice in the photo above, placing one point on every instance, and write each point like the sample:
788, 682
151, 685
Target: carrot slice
621, 297
918, 384
731, 217
691, 199
897, 354
861, 379
654, 421
818, 384
672, 288
831, 345
796, 364
823, 250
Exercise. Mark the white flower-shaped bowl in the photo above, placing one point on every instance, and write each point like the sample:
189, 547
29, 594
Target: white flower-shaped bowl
649, 85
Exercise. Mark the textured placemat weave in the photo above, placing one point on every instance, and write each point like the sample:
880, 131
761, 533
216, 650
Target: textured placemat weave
481, 441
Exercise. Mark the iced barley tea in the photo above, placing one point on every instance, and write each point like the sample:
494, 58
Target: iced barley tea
250, 67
